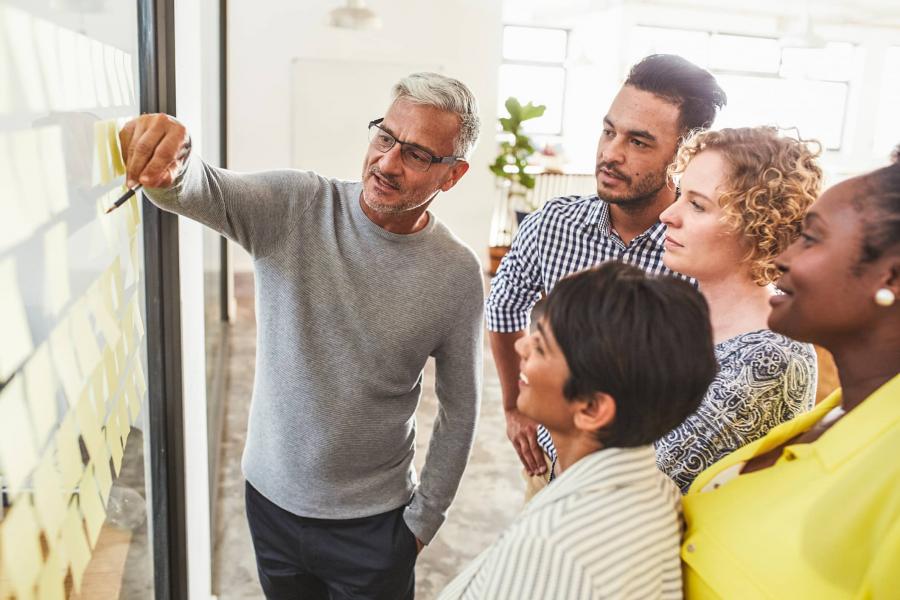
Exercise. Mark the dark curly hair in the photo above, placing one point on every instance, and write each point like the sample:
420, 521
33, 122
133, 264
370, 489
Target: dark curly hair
880, 203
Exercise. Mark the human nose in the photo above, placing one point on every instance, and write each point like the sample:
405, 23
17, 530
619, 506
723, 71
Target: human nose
783, 260
521, 347
392, 160
671, 216
610, 149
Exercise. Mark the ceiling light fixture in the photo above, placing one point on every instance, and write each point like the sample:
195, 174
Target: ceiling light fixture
354, 15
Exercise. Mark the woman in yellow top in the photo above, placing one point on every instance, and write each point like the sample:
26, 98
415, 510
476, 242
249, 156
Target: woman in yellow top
812, 510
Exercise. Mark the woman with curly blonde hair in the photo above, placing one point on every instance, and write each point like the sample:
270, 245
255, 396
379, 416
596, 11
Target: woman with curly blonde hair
744, 193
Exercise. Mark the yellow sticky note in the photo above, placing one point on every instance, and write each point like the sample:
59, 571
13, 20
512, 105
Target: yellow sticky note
111, 372
99, 71
139, 380
62, 351
90, 505
77, 552
134, 205
115, 153
117, 288
112, 75
16, 225
114, 441
86, 348
102, 161
128, 331
50, 498
68, 452
20, 532
26, 158
121, 354
122, 409
98, 391
40, 387
135, 260
104, 477
89, 424
18, 454
104, 318
134, 402
138, 321
50, 584
17, 343
57, 290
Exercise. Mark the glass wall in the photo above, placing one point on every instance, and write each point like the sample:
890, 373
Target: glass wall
74, 427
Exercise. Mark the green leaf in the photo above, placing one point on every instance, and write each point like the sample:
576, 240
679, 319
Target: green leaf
530, 111
514, 107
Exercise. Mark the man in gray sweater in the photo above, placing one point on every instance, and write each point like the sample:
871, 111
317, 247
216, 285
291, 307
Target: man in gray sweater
357, 285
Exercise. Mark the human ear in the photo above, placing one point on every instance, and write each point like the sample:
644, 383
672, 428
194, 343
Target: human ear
595, 414
456, 173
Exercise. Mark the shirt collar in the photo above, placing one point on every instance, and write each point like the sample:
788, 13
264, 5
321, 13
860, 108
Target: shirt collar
876, 415
598, 217
606, 468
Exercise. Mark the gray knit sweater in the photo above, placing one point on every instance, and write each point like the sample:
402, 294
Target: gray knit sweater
347, 315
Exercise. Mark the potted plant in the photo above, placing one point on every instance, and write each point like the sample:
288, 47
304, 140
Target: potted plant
509, 166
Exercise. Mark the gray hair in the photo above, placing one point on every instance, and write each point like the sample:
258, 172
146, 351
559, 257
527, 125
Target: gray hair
445, 93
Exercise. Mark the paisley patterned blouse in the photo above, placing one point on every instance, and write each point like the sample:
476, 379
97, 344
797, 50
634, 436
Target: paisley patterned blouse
764, 379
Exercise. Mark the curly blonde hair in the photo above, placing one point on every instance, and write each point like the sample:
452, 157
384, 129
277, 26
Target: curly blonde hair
771, 182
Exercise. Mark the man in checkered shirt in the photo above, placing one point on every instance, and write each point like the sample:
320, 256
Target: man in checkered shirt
663, 98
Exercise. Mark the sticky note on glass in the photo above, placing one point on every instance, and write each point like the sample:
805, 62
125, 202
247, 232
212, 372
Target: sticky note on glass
114, 441
87, 93
104, 477
115, 152
122, 410
89, 425
19, 30
50, 498
101, 313
91, 506
103, 172
111, 373
134, 401
45, 36
17, 343
16, 224
40, 388
50, 584
68, 452
99, 69
77, 552
18, 454
86, 348
121, 354
20, 539
62, 351
139, 380
116, 287
57, 290
26, 159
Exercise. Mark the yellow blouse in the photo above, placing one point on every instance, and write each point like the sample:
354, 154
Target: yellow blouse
822, 522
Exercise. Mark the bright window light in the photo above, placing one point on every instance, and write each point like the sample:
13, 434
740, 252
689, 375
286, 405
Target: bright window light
887, 134
539, 85
744, 53
692, 45
834, 62
815, 108
534, 44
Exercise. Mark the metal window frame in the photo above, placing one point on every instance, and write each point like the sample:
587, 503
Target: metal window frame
156, 27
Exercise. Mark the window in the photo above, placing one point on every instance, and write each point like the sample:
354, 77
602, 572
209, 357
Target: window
803, 88
887, 133
533, 70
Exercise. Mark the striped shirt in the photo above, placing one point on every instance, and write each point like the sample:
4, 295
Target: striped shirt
608, 528
567, 235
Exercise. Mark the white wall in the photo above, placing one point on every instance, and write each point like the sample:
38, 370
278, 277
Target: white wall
463, 36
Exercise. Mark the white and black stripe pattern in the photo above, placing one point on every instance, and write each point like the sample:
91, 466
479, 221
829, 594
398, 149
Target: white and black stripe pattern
567, 235
608, 528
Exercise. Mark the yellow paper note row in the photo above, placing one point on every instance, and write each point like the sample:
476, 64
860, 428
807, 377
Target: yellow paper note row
19, 531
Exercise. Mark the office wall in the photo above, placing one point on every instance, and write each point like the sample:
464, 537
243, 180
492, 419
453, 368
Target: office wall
463, 36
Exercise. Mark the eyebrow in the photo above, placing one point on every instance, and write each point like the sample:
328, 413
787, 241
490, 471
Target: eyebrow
812, 218
419, 146
641, 133
700, 195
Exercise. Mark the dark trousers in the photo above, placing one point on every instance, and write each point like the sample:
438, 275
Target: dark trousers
299, 558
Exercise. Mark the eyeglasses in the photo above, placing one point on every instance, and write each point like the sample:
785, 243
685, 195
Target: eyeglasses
413, 156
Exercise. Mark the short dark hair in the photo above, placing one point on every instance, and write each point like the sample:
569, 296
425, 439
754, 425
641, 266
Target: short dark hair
644, 340
881, 200
693, 89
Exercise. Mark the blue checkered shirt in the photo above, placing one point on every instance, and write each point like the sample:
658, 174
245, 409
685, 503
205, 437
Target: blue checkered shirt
567, 235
